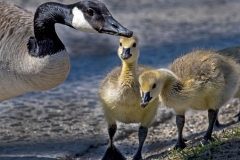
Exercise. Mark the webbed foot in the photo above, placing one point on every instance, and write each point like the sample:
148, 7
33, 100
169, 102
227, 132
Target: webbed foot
206, 141
113, 153
137, 157
185, 140
238, 115
179, 145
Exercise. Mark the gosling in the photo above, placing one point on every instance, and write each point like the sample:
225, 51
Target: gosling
200, 80
120, 96
233, 52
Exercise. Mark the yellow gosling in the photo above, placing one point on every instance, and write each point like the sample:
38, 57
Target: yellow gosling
200, 80
120, 96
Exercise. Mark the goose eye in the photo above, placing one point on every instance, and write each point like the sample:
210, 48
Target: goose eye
120, 44
90, 12
134, 45
154, 86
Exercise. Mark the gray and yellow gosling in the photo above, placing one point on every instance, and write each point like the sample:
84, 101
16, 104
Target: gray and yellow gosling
120, 96
200, 80
233, 52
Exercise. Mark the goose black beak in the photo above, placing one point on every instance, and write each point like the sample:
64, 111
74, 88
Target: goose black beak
126, 53
146, 98
114, 28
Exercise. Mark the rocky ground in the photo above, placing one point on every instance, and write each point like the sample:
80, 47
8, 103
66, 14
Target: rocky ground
68, 119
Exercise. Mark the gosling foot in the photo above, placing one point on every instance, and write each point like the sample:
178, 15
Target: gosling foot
206, 141
185, 140
180, 145
137, 157
238, 115
113, 153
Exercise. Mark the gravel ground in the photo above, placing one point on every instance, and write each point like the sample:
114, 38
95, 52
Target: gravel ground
68, 119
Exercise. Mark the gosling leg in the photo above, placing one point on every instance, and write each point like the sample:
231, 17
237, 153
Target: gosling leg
212, 115
112, 152
219, 125
142, 134
238, 115
180, 120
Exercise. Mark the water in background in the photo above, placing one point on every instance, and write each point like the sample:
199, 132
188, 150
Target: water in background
86, 67
33, 124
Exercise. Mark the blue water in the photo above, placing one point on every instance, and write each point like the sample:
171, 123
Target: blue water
84, 67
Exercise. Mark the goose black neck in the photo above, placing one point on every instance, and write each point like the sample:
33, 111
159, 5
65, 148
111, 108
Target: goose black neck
46, 41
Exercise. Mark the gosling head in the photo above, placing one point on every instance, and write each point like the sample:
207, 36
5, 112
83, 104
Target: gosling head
150, 86
128, 49
93, 16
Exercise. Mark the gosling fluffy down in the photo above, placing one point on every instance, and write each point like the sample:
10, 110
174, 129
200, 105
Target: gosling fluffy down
200, 80
233, 52
120, 95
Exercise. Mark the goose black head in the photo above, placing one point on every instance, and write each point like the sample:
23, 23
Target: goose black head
86, 15
93, 16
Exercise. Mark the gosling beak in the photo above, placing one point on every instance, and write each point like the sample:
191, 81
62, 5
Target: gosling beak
146, 98
114, 28
126, 53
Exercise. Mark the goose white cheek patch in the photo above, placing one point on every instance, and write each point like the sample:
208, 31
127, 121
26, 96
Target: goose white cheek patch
80, 23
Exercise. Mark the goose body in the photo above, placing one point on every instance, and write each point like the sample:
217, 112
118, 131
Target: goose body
123, 104
120, 96
200, 80
32, 57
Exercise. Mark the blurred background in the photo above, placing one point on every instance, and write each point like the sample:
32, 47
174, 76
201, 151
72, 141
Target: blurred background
68, 119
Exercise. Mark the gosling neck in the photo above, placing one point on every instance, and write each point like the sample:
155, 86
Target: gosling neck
171, 85
128, 72
46, 41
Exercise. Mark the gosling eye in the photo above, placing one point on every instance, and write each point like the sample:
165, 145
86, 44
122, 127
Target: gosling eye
154, 86
134, 44
90, 12
120, 44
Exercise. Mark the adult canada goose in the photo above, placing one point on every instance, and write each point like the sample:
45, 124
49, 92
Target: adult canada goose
200, 80
32, 57
120, 96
